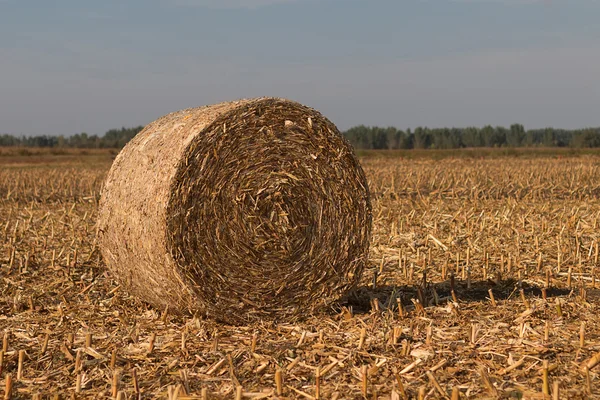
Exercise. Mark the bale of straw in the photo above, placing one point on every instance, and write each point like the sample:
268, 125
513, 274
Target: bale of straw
240, 211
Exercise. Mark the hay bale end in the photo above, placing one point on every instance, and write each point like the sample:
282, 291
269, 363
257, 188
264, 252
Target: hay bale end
240, 211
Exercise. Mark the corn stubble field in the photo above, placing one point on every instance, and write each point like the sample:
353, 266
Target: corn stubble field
482, 283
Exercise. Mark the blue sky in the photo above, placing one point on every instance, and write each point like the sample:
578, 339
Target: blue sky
69, 66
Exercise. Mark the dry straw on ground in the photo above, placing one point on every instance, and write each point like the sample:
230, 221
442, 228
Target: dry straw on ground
240, 211
483, 282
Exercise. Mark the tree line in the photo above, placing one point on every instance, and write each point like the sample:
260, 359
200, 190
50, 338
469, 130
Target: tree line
365, 137
112, 139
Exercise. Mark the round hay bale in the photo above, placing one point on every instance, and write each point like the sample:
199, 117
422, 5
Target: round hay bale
240, 211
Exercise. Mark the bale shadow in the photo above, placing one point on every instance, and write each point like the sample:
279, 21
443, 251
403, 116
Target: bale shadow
361, 300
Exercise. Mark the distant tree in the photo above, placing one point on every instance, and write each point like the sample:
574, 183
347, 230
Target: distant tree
500, 136
422, 138
358, 136
586, 138
392, 137
515, 135
378, 138
549, 138
455, 138
437, 138
472, 137
119, 137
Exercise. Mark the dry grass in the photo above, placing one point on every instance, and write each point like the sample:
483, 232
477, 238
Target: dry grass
23, 157
447, 236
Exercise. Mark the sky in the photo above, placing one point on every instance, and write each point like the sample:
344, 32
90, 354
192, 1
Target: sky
70, 66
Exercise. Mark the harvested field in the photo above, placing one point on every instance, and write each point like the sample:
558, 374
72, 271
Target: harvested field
481, 283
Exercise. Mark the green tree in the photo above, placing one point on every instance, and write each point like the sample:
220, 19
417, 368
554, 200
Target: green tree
422, 138
586, 138
549, 138
472, 137
515, 135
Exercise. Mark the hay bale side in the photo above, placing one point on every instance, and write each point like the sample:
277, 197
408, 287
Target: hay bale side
254, 209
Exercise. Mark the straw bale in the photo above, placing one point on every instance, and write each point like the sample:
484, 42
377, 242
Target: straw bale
240, 211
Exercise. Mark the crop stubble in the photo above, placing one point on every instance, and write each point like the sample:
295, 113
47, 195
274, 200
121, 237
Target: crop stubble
522, 231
